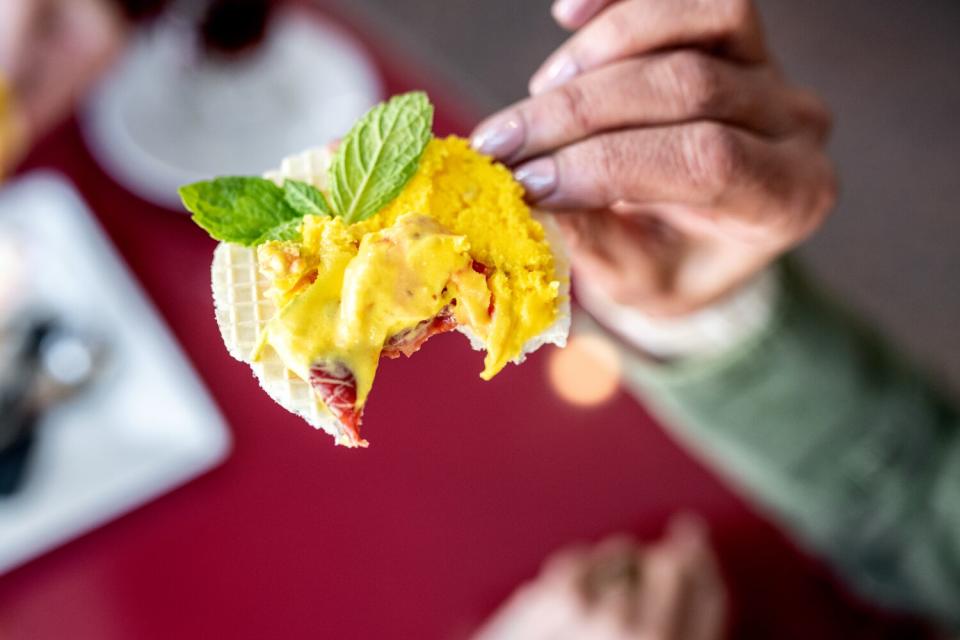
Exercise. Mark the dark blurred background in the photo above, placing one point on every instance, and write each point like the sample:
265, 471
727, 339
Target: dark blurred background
888, 68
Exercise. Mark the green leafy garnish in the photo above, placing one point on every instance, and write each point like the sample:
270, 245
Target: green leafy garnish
287, 231
239, 210
306, 198
380, 155
372, 166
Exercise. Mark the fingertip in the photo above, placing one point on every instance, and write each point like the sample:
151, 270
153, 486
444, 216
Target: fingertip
566, 13
688, 523
500, 136
688, 534
616, 544
538, 177
573, 14
562, 564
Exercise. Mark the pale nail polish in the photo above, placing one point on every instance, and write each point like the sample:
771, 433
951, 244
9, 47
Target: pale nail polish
501, 137
566, 11
560, 69
538, 177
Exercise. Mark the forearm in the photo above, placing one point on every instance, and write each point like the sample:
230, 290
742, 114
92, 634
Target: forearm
824, 425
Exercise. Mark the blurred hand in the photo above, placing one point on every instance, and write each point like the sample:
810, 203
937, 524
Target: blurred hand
618, 591
682, 160
50, 53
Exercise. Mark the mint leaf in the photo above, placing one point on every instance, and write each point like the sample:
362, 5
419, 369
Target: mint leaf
286, 231
372, 166
305, 198
243, 211
380, 155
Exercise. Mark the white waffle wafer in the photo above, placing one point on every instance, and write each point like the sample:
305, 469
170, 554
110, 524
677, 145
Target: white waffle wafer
243, 308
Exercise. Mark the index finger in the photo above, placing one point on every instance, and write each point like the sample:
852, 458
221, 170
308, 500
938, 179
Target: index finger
633, 27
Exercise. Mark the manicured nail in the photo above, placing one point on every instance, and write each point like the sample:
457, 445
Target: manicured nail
558, 71
538, 177
500, 137
565, 11
571, 13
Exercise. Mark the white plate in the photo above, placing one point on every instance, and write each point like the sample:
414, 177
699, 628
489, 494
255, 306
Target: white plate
144, 429
164, 118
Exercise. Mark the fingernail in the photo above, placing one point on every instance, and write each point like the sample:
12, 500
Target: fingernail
573, 13
539, 178
566, 11
558, 71
500, 137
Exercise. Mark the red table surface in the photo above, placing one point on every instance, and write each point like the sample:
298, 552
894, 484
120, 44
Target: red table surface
466, 488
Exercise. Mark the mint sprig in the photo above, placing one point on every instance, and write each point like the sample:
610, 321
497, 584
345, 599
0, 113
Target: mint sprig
250, 211
306, 199
374, 163
380, 155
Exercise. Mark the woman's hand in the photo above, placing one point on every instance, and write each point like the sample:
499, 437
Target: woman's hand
681, 160
51, 51
670, 590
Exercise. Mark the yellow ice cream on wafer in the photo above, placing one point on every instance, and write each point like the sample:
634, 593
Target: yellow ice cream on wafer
338, 259
460, 231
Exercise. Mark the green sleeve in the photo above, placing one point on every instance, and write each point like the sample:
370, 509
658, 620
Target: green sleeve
824, 426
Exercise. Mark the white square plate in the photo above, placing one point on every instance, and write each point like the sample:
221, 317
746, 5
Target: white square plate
146, 427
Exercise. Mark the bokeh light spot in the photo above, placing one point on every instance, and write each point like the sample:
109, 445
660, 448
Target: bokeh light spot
587, 372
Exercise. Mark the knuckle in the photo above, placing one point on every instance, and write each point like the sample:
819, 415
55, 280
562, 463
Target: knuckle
820, 201
696, 80
609, 159
811, 113
713, 157
575, 106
